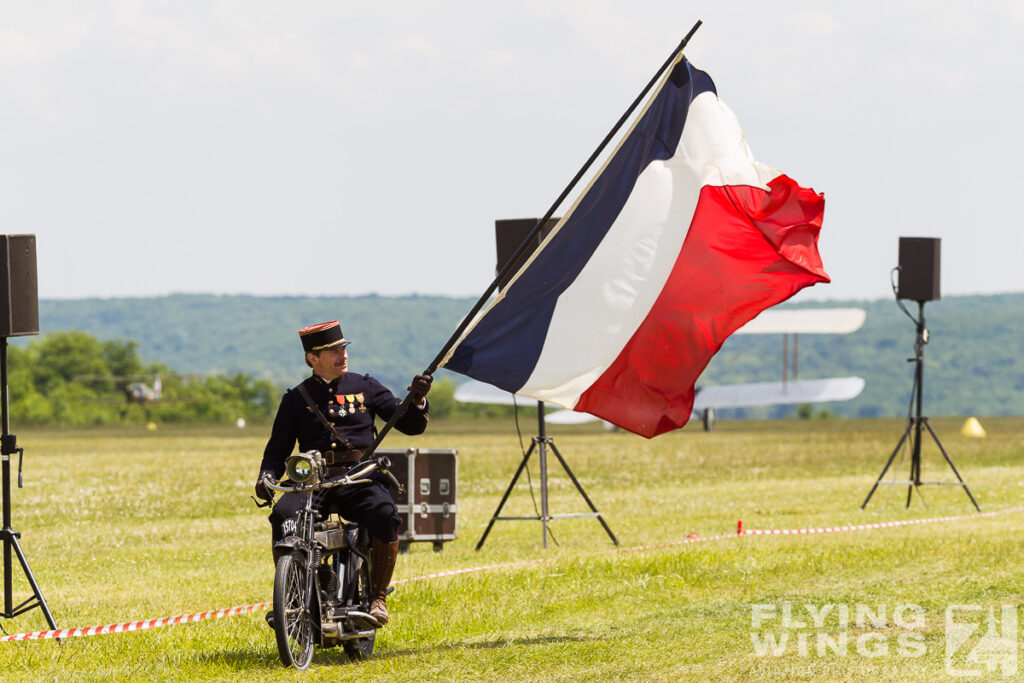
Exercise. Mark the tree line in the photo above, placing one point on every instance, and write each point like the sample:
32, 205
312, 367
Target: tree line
974, 360
74, 379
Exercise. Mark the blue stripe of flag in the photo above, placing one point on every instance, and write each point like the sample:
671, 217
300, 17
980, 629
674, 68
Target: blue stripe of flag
503, 348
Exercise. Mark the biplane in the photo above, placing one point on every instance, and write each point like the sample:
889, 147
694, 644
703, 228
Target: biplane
143, 390
790, 323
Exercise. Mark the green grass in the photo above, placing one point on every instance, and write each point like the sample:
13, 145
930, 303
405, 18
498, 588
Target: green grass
124, 525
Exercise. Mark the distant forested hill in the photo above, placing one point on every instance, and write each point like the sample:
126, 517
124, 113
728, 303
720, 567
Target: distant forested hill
974, 362
392, 337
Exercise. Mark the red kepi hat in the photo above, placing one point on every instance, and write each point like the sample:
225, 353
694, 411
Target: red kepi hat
322, 336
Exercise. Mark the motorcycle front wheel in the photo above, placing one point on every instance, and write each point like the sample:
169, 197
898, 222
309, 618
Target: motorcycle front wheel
293, 624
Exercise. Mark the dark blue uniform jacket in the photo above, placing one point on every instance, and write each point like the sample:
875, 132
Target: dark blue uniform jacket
350, 402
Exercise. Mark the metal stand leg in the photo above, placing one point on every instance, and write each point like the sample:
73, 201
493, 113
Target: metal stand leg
583, 493
8, 447
541, 442
914, 424
512, 484
545, 516
885, 469
949, 461
37, 599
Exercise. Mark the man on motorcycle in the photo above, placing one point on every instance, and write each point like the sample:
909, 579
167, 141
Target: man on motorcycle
333, 412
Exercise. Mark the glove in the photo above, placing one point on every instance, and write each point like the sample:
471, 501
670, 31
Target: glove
419, 387
262, 492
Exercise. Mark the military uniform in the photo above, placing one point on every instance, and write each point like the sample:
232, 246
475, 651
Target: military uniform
350, 402
336, 417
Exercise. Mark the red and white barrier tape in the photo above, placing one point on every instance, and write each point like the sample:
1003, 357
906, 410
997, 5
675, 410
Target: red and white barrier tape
127, 626
474, 570
866, 527
543, 560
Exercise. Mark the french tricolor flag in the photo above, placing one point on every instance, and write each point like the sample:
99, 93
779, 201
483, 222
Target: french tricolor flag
679, 240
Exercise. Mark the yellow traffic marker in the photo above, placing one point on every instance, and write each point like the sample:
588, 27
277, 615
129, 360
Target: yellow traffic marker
972, 428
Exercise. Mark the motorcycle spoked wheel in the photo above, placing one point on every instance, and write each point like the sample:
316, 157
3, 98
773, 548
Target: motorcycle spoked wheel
361, 648
293, 625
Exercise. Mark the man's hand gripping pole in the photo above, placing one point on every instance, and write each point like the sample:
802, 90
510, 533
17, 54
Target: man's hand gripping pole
417, 391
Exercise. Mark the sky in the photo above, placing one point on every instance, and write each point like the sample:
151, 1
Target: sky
349, 148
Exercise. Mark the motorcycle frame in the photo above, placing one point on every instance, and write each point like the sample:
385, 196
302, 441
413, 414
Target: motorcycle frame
304, 541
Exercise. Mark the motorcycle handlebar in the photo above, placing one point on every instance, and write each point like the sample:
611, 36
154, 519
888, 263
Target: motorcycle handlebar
355, 475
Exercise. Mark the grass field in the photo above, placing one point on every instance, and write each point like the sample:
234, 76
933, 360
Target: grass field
124, 525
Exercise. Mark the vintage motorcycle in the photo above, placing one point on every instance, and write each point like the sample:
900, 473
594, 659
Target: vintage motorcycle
322, 578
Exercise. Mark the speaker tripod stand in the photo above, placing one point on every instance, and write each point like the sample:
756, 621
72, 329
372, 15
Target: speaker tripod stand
8, 447
915, 424
541, 443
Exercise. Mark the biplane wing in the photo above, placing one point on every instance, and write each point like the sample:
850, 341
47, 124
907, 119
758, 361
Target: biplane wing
474, 391
806, 321
749, 395
776, 393
787, 322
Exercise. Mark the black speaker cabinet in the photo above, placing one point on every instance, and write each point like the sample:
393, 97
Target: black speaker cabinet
919, 269
509, 234
19, 290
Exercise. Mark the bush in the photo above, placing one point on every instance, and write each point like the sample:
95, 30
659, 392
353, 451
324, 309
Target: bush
71, 378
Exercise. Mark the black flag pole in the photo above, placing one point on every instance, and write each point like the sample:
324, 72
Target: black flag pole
513, 261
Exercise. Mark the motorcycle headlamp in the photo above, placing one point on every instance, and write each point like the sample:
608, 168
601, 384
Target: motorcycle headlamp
304, 468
